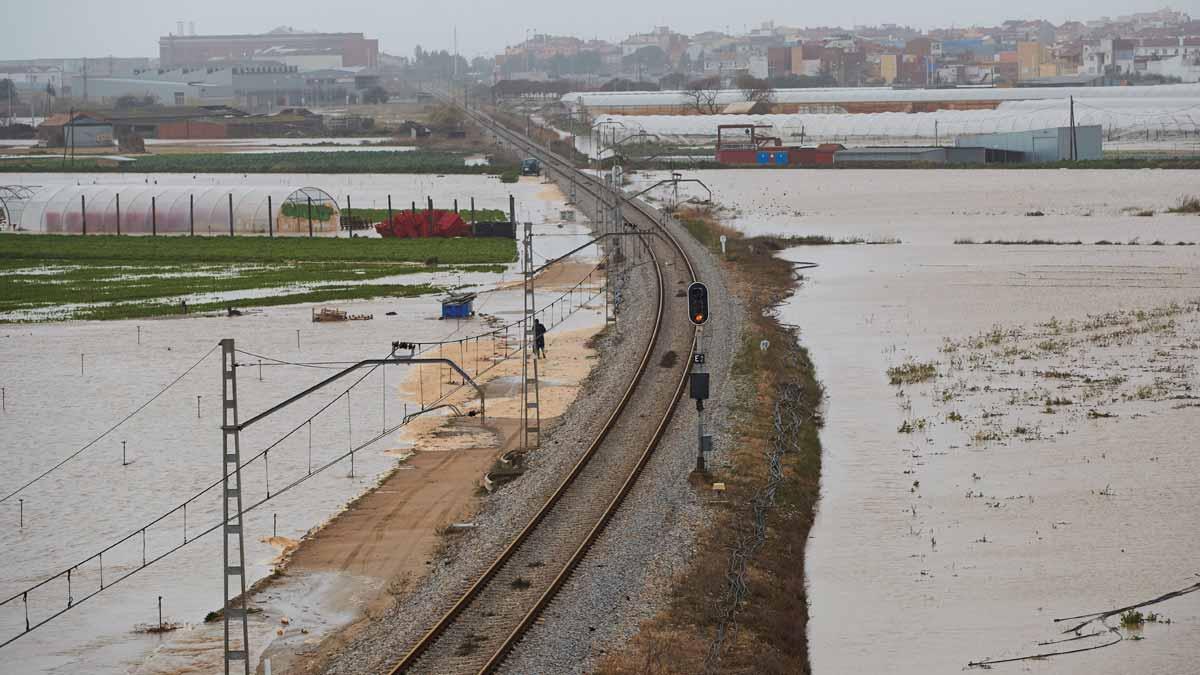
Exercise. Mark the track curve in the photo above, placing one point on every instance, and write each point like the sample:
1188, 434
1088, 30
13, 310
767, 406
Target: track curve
487, 622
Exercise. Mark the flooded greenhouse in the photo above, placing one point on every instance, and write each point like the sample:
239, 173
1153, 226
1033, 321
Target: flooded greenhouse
162, 209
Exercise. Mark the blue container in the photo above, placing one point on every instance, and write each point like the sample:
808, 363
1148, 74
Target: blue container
458, 307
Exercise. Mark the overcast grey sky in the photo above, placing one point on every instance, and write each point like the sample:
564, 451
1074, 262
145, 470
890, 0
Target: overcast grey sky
68, 28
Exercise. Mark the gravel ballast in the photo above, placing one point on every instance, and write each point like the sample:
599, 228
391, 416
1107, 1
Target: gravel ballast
627, 576
510, 508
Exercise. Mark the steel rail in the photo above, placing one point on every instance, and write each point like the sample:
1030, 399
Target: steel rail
592, 186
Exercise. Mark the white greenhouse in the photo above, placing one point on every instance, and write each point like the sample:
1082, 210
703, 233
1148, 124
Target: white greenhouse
153, 209
1121, 119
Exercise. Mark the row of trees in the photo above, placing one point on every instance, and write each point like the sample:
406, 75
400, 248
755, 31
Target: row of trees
702, 94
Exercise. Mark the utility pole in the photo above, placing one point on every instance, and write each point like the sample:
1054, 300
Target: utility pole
1074, 148
234, 563
530, 428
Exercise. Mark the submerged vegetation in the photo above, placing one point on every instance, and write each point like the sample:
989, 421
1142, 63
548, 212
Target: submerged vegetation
1186, 205
912, 373
107, 277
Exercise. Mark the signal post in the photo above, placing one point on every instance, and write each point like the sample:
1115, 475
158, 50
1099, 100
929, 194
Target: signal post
698, 314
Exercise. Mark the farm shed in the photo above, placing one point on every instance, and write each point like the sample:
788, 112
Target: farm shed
85, 130
203, 210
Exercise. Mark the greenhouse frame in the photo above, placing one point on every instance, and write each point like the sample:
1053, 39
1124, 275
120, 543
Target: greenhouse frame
13, 200
154, 209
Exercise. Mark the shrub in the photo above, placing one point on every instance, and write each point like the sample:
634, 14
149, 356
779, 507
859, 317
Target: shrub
911, 373
1132, 619
1186, 205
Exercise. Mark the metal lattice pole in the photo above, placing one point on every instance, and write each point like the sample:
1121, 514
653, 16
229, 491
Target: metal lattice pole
234, 564
529, 361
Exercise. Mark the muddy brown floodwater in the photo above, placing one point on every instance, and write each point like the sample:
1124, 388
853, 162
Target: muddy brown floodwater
1045, 464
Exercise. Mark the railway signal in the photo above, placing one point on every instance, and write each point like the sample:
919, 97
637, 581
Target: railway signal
698, 303
698, 314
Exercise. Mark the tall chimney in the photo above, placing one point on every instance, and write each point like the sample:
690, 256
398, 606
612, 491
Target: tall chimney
191, 28
179, 28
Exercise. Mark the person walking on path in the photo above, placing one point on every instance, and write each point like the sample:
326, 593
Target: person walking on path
539, 339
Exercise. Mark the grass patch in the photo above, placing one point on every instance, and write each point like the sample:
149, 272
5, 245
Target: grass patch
365, 292
1186, 205
911, 373
1018, 242
417, 161
178, 249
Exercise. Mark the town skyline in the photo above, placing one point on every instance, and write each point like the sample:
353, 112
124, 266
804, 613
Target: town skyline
476, 35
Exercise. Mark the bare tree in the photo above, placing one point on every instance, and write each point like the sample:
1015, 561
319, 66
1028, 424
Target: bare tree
755, 90
703, 93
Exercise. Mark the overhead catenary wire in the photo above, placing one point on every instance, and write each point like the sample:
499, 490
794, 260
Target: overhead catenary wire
111, 429
72, 601
76, 601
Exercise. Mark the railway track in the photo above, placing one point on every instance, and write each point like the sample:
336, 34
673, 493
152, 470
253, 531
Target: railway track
486, 623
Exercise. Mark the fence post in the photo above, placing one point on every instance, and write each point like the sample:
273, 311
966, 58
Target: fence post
118, 214
270, 219
310, 225
472, 210
153, 216
83, 211
191, 215
456, 206
349, 213
429, 233
389, 210
231, 214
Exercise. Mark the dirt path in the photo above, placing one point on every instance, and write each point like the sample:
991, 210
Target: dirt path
381, 546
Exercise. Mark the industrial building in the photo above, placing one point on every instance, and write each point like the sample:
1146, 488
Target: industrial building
308, 51
1043, 145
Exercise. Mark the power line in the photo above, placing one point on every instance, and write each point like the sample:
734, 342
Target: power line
72, 602
111, 429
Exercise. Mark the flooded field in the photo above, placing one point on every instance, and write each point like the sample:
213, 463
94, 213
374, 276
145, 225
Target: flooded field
66, 383
1035, 457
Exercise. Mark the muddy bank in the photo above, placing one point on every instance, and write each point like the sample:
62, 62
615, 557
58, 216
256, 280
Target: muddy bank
758, 522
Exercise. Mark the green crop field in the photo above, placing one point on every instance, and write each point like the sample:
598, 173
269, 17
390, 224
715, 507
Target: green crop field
417, 161
167, 250
45, 277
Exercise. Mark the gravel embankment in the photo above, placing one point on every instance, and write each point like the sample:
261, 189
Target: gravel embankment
503, 514
627, 576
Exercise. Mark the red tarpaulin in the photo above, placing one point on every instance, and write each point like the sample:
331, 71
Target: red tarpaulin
414, 225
